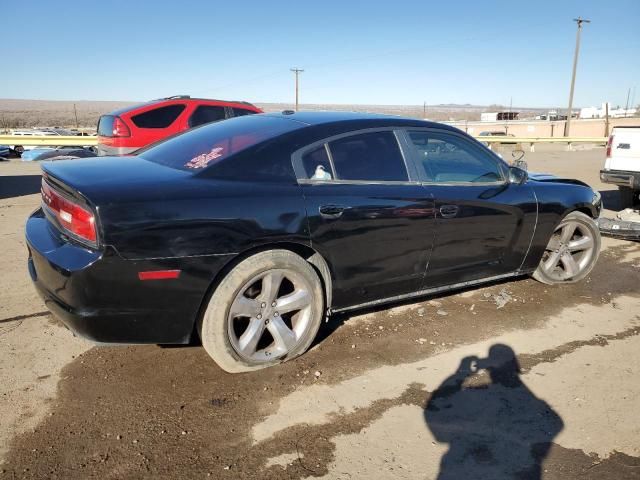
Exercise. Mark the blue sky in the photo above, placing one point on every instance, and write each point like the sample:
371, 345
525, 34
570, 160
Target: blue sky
373, 52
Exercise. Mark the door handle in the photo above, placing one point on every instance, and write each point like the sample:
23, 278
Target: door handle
449, 211
332, 211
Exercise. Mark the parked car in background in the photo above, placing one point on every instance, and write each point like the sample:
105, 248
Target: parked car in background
5, 152
56, 153
29, 133
250, 231
126, 130
622, 165
497, 134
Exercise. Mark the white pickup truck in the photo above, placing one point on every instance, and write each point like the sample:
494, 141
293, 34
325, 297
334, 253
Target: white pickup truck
622, 166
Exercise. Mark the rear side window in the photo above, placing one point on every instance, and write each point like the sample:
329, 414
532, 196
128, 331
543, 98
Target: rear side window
316, 164
447, 158
160, 117
206, 114
373, 156
105, 125
238, 112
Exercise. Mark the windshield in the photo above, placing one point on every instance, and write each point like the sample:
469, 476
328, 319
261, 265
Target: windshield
204, 146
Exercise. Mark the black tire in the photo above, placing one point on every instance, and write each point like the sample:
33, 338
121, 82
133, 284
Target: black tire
587, 226
214, 327
628, 197
19, 149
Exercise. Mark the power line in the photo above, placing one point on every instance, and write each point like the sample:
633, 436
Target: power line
297, 71
579, 21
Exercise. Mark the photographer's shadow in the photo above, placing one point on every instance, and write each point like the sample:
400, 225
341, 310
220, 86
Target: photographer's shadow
496, 427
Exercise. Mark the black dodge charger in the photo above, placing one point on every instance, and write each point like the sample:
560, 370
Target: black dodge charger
250, 231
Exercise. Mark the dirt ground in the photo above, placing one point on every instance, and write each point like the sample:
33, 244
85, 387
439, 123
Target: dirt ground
390, 393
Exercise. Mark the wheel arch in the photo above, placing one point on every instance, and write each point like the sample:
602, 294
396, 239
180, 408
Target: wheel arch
313, 257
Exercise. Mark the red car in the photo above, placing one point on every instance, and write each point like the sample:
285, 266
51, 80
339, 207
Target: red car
128, 129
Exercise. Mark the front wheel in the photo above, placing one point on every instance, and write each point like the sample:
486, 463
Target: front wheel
572, 251
265, 311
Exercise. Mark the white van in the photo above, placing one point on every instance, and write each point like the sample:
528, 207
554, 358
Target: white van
622, 166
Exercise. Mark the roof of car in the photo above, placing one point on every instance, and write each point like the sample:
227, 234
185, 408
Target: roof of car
319, 118
175, 98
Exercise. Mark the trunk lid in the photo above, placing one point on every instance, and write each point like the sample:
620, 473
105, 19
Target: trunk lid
106, 180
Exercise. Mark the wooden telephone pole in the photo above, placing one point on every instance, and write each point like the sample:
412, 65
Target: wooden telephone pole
567, 125
297, 71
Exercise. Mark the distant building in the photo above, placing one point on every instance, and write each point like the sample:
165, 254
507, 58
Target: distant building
595, 112
498, 116
553, 115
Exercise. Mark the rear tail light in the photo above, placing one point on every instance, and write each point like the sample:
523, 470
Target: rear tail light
75, 219
120, 128
609, 145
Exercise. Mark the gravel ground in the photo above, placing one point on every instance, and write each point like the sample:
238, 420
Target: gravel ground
383, 394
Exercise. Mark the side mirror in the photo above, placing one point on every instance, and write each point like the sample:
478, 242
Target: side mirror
517, 175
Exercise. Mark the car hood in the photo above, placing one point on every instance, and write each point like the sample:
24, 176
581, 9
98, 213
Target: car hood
549, 177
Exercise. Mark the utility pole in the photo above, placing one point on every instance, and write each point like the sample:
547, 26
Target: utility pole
567, 125
76, 115
297, 71
626, 106
424, 110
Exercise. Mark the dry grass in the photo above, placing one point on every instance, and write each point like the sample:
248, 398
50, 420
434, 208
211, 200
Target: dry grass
16, 113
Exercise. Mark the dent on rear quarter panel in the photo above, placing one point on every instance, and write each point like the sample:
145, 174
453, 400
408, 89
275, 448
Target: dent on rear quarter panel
238, 217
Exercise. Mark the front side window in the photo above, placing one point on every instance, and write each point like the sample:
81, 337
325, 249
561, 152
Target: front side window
158, 117
206, 114
447, 158
371, 156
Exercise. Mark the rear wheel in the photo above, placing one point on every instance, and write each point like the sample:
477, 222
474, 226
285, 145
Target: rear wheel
19, 149
572, 251
628, 196
265, 311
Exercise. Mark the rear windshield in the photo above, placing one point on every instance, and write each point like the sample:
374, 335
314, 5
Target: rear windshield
105, 125
201, 147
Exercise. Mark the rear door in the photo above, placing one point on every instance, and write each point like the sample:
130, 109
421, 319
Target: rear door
484, 223
625, 150
368, 215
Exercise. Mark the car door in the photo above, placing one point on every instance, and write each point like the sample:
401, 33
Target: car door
484, 223
368, 215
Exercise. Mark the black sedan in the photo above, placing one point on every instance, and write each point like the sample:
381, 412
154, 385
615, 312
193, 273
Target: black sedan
250, 231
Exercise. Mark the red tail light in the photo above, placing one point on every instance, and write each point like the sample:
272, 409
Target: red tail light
120, 128
609, 145
72, 217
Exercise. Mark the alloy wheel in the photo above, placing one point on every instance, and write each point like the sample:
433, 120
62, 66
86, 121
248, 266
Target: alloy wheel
569, 251
270, 315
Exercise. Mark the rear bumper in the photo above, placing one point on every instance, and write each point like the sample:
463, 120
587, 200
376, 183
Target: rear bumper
621, 178
99, 296
108, 151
